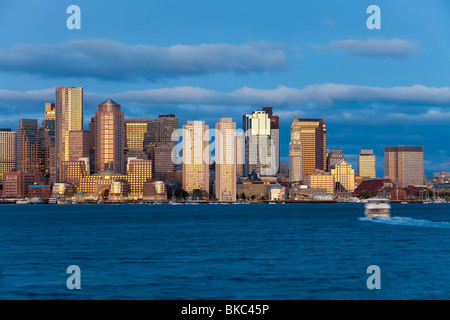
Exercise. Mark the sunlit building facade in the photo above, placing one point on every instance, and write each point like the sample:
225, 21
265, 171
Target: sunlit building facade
109, 137
8, 154
68, 116
195, 156
135, 130
260, 154
320, 179
79, 141
29, 155
225, 183
344, 175
50, 111
313, 135
295, 152
367, 164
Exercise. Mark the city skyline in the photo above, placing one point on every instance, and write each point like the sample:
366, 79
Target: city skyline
373, 87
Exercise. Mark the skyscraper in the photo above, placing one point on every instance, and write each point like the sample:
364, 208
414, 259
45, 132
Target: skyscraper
367, 164
69, 116
135, 133
295, 152
225, 160
79, 141
260, 154
48, 149
274, 134
8, 154
404, 165
29, 156
109, 138
195, 156
313, 135
160, 131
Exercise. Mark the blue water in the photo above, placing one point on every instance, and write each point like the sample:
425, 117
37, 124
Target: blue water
258, 251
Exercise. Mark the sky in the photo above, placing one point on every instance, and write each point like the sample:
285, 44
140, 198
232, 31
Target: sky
204, 60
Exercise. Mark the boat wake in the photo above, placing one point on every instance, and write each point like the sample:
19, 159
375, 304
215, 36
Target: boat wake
405, 221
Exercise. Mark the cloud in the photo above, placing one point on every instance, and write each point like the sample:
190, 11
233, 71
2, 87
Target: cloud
372, 48
111, 60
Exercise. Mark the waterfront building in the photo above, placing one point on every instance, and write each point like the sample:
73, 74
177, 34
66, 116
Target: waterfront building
15, 183
367, 164
404, 165
313, 135
370, 188
320, 179
43, 191
68, 116
225, 173
295, 152
344, 176
277, 192
8, 153
155, 191
109, 137
98, 186
195, 156
299, 191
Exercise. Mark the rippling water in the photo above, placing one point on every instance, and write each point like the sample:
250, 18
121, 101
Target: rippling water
306, 251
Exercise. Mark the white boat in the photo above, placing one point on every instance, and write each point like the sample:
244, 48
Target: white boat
438, 200
74, 201
272, 203
377, 207
427, 201
36, 200
404, 202
23, 201
63, 202
53, 201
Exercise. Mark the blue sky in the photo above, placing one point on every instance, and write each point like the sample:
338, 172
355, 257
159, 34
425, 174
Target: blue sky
203, 60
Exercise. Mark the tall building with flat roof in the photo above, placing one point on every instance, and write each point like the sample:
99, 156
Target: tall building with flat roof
225, 160
48, 149
295, 152
260, 144
68, 116
8, 153
135, 130
29, 156
162, 160
79, 141
313, 135
195, 156
160, 131
367, 164
109, 138
404, 165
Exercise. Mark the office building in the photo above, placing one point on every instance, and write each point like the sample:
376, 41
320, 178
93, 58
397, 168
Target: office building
109, 138
135, 130
48, 149
334, 156
404, 165
160, 131
313, 135
320, 179
367, 164
29, 156
344, 176
79, 141
295, 152
8, 154
68, 116
50, 111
